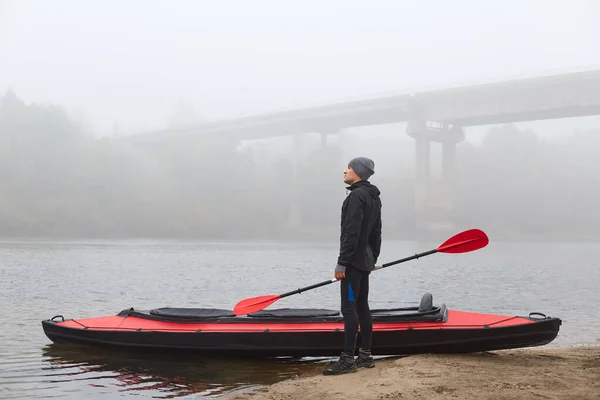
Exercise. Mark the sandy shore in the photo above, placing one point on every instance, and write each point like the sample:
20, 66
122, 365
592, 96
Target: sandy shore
572, 373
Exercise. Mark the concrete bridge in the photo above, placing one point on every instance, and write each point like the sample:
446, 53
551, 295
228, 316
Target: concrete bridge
432, 116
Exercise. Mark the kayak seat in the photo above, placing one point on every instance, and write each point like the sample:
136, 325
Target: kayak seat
181, 314
426, 303
425, 312
191, 313
295, 313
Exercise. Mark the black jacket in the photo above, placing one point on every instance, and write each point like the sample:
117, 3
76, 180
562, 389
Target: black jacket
360, 238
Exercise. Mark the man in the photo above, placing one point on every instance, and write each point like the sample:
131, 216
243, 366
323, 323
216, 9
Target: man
360, 243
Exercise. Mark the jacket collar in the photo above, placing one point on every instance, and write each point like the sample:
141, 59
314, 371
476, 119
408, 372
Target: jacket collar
358, 184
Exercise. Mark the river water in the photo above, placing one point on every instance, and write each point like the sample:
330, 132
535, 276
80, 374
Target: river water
81, 279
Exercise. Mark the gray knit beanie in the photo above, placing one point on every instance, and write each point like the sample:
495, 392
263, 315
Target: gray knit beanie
363, 166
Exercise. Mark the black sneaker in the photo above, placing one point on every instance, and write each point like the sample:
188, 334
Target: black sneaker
344, 365
364, 359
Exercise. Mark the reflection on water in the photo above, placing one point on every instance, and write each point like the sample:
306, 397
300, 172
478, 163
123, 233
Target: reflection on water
162, 375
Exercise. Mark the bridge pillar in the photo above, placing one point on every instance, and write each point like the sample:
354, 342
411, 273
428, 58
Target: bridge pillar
434, 197
294, 217
323, 139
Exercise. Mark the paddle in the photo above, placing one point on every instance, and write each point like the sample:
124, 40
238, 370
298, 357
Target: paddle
464, 242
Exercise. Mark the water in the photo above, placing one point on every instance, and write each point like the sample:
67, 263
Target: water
41, 279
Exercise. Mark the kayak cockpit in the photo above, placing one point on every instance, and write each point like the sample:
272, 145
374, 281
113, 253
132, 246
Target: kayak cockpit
425, 312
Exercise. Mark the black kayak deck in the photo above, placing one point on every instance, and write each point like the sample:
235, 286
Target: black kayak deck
425, 312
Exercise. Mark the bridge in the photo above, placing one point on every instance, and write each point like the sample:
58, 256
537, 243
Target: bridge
547, 97
432, 116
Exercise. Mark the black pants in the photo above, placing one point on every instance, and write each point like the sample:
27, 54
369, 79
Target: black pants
355, 309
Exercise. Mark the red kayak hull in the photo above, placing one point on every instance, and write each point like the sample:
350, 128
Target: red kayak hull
317, 333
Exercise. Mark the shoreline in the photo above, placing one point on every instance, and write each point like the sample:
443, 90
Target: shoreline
539, 373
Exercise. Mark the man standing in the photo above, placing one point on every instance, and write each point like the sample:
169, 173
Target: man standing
360, 243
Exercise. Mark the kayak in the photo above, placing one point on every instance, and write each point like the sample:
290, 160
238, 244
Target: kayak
301, 332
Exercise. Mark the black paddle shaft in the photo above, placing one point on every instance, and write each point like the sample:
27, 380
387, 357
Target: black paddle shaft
304, 289
419, 255
316, 285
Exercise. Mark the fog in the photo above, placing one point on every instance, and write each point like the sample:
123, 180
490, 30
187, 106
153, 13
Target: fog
78, 77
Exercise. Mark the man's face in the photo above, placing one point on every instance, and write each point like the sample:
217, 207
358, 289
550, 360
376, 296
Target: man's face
350, 176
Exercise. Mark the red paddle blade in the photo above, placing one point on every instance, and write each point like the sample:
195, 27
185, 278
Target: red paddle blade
469, 240
254, 304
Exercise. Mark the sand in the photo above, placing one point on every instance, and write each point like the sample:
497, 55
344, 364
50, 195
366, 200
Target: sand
572, 373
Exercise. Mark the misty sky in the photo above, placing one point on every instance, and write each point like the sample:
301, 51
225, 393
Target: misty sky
129, 62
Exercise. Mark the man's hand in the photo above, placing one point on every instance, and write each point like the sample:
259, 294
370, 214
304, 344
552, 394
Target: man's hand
339, 275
